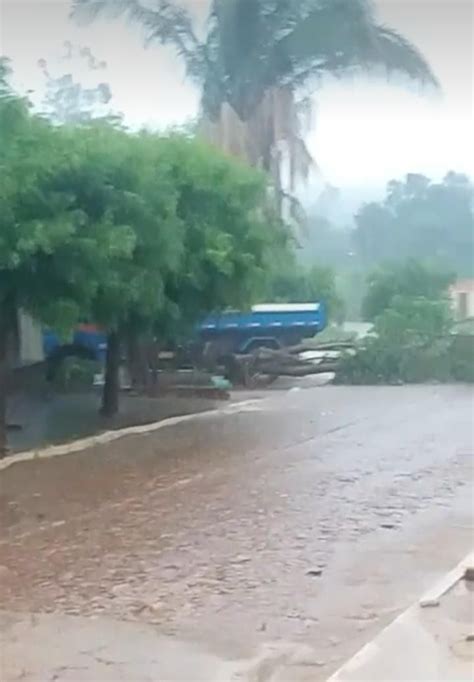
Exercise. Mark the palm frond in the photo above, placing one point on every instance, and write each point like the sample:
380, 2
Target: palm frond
397, 54
238, 43
167, 24
255, 57
337, 36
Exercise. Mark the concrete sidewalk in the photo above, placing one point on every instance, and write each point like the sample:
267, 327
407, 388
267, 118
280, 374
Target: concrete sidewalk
36, 648
53, 647
431, 641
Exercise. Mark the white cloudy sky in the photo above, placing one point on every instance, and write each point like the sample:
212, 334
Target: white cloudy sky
366, 132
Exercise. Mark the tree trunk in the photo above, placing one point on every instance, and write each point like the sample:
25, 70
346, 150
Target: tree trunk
153, 353
300, 371
3, 388
7, 321
142, 362
133, 362
110, 395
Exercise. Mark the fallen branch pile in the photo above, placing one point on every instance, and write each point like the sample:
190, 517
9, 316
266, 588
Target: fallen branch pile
266, 364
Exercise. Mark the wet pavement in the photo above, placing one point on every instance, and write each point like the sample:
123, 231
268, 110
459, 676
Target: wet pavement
48, 418
311, 516
433, 641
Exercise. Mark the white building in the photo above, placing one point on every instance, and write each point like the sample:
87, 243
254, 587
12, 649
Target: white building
28, 349
462, 297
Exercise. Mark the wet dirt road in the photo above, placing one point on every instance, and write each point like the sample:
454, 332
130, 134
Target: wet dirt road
312, 516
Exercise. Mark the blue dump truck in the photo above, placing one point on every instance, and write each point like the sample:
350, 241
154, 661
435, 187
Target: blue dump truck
274, 326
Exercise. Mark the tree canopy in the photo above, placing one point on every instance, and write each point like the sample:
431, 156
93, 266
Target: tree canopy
255, 59
227, 236
41, 220
290, 282
411, 279
136, 232
420, 219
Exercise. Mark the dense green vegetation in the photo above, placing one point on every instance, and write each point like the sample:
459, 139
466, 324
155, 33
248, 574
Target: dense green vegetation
421, 234
290, 282
414, 338
137, 232
411, 279
420, 219
253, 60
144, 233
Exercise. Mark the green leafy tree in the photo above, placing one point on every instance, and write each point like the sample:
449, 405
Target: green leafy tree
229, 238
256, 57
421, 219
52, 255
411, 343
199, 236
134, 231
410, 279
123, 182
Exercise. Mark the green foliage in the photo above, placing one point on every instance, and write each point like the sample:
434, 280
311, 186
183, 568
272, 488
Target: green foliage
75, 374
14, 111
421, 219
47, 248
290, 282
462, 357
138, 232
413, 321
251, 47
411, 343
332, 334
128, 200
226, 233
410, 279
253, 59
129, 230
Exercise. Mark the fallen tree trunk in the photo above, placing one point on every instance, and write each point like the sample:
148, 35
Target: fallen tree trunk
298, 370
250, 370
316, 348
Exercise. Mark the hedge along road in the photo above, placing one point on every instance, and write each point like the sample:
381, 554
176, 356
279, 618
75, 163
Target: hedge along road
315, 516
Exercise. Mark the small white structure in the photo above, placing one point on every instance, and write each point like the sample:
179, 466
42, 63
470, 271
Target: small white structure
462, 297
29, 347
31, 340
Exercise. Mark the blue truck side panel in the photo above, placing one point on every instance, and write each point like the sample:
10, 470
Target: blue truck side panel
243, 329
314, 319
94, 342
280, 325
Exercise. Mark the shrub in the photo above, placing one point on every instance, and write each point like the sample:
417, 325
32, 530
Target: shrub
411, 343
462, 357
76, 373
412, 279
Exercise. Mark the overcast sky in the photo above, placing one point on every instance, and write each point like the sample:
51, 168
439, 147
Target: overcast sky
366, 132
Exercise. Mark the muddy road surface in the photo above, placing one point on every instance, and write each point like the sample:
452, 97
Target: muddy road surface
308, 516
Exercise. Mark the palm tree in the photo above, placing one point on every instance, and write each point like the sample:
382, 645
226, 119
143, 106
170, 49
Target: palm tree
256, 58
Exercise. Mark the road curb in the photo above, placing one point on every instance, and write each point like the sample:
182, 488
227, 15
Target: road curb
109, 436
376, 645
